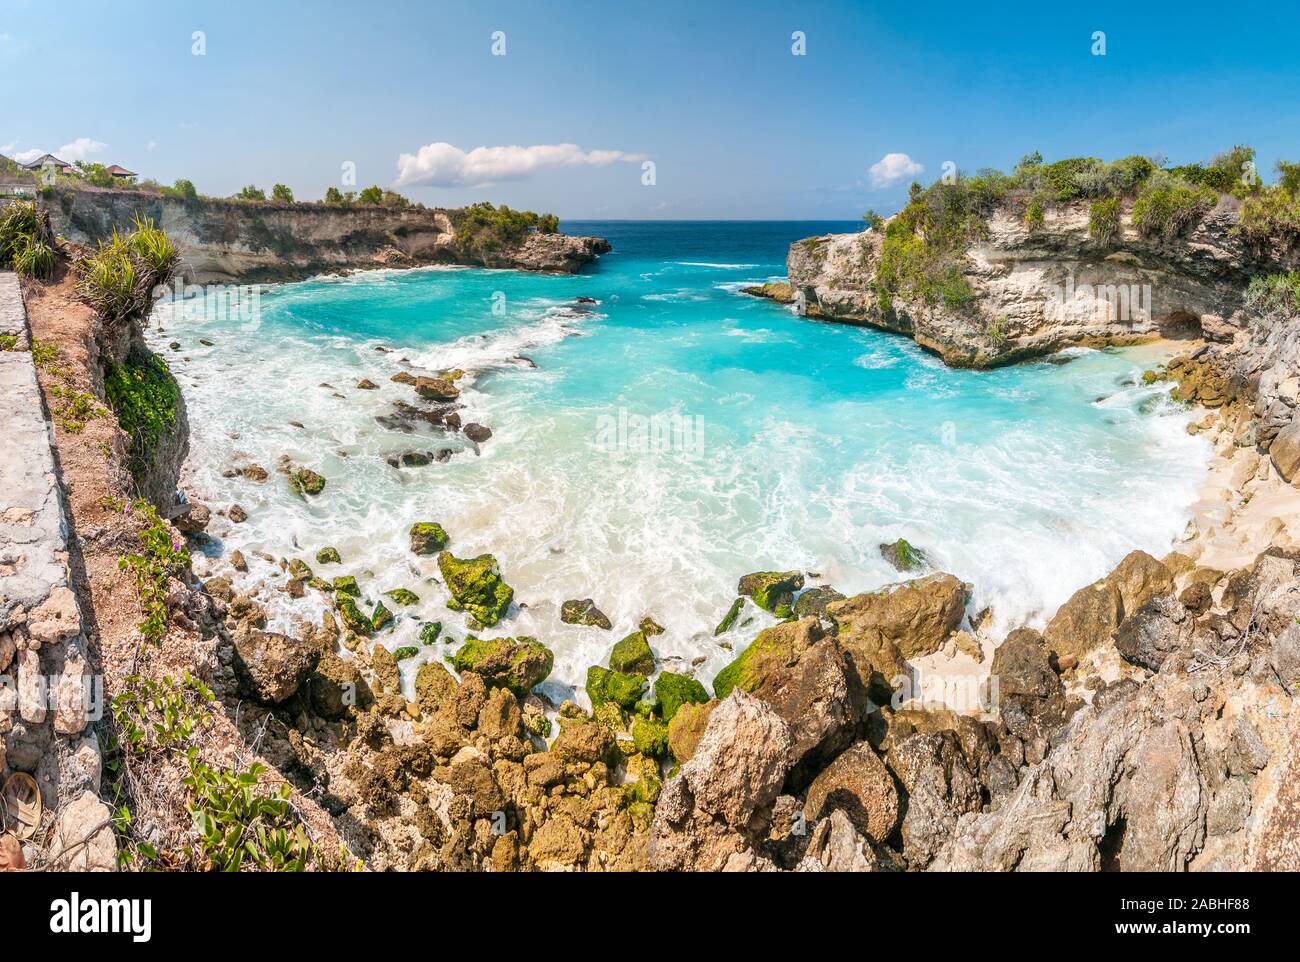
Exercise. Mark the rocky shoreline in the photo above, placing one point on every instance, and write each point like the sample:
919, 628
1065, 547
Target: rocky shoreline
1148, 726
235, 242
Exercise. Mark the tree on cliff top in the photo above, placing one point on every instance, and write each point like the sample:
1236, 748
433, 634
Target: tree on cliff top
282, 193
251, 192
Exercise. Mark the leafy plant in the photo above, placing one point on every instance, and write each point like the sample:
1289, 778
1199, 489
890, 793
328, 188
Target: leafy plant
1274, 293
119, 278
158, 559
1104, 221
251, 192
1168, 205
240, 827
282, 193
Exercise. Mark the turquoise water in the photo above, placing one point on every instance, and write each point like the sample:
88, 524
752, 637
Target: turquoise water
782, 442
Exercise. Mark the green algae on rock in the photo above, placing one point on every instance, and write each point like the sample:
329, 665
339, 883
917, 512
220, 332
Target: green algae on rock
673, 690
476, 586
353, 619
771, 590
381, 618
403, 596
650, 737
632, 655
429, 632
428, 537
905, 556
328, 556
584, 612
347, 585
306, 481
405, 652
514, 663
730, 617
621, 688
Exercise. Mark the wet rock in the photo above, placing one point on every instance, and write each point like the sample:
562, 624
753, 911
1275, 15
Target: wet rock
771, 590
621, 688
328, 556
403, 377
650, 627
306, 481
477, 433
904, 556
857, 783
672, 691
436, 389
729, 619
584, 612
514, 663
194, 519
476, 586
428, 537
365, 384
632, 655
814, 601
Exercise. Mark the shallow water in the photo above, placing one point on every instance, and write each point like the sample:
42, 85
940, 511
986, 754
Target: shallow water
782, 443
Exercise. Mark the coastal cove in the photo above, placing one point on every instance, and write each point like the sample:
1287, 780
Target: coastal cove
791, 444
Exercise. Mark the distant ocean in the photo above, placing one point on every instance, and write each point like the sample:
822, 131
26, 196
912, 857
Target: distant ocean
649, 449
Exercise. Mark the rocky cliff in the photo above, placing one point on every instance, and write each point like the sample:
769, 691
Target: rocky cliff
1041, 288
226, 240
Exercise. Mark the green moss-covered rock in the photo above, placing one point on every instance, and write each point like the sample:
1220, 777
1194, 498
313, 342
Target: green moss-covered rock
730, 617
299, 569
650, 737
611, 716
476, 586
622, 689
428, 537
773, 649
405, 652
403, 596
347, 585
673, 690
632, 655
306, 481
650, 627
905, 556
351, 616
381, 618
771, 590
320, 584
584, 612
514, 663
328, 556
429, 632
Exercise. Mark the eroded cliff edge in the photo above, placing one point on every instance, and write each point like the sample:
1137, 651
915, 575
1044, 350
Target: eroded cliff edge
230, 240
1029, 289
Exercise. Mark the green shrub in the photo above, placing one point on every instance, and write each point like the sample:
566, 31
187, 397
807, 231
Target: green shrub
1271, 218
1168, 205
26, 239
1034, 215
158, 559
185, 188
1104, 221
484, 228
282, 193
251, 192
1275, 293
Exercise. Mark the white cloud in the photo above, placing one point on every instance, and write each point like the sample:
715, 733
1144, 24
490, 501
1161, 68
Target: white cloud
444, 165
79, 149
26, 156
891, 169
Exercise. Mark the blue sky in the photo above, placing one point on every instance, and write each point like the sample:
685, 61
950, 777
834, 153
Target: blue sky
735, 124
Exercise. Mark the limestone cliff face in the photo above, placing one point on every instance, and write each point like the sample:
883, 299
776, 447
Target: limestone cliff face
227, 241
1037, 291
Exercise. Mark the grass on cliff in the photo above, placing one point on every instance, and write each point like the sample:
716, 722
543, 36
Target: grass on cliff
26, 242
118, 279
1274, 294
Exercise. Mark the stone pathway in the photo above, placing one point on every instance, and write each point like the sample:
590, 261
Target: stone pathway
44, 676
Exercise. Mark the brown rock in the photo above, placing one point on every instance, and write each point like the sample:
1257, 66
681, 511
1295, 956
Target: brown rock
687, 728
1086, 621
857, 782
1139, 578
436, 389
916, 616
741, 762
